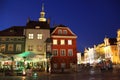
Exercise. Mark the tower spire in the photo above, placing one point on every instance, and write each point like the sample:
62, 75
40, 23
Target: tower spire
42, 7
42, 14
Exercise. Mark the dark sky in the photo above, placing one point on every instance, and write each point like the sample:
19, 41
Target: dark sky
90, 20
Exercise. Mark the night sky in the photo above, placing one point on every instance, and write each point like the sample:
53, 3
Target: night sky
90, 20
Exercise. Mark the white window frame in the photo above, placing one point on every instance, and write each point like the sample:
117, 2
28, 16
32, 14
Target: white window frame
30, 36
70, 52
69, 42
62, 42
55, 52
55, 42
39, 36
64, 31
62, 52
60, 31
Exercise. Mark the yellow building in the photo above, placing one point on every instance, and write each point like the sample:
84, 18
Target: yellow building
110, 49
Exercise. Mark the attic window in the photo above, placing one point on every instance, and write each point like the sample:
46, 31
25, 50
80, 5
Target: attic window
11, 30
59, 31
64, 31
37, 27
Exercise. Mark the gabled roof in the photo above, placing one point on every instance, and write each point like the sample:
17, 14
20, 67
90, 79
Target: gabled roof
60, 25
33, 24
53, 30
13, 31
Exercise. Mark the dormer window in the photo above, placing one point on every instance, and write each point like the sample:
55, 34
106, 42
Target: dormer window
59, 31
37, 27
64, 31
11, 30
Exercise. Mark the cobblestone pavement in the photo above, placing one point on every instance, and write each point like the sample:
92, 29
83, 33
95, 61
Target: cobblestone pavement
82, 75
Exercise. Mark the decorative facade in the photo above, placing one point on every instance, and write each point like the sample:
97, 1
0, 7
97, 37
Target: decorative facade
64, 49
12, 40
110, 49
31, 38
56, 47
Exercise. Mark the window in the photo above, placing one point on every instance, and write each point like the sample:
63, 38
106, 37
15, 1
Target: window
59, 31
70, 52
62, 52
55, 52
39, 47
10, 47
62, 42
30, 48
63, 65
3, 39
55, 65
2, 47
64, 31
69, 42
30, 36
55, 42
37, 27
18, 47
39, 36
48, 48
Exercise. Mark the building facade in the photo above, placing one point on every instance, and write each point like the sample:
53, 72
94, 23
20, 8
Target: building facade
12, 40
109, 49
118, 44
64, 49
31, 38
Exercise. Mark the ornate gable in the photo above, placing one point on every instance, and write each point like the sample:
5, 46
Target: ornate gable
62, 31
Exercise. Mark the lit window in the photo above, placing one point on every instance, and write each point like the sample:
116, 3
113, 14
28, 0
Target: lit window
54, 42
55, 52
2, 47
3, 39
69, 42
10, 47
37, 27
70, 52
59, 31
18, 47
30, 36
64, 31
62, 42
30, 48
39, 36
39, 47
62, 52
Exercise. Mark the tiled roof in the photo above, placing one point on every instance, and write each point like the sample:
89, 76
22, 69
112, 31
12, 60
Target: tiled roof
33, 24
13, 31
